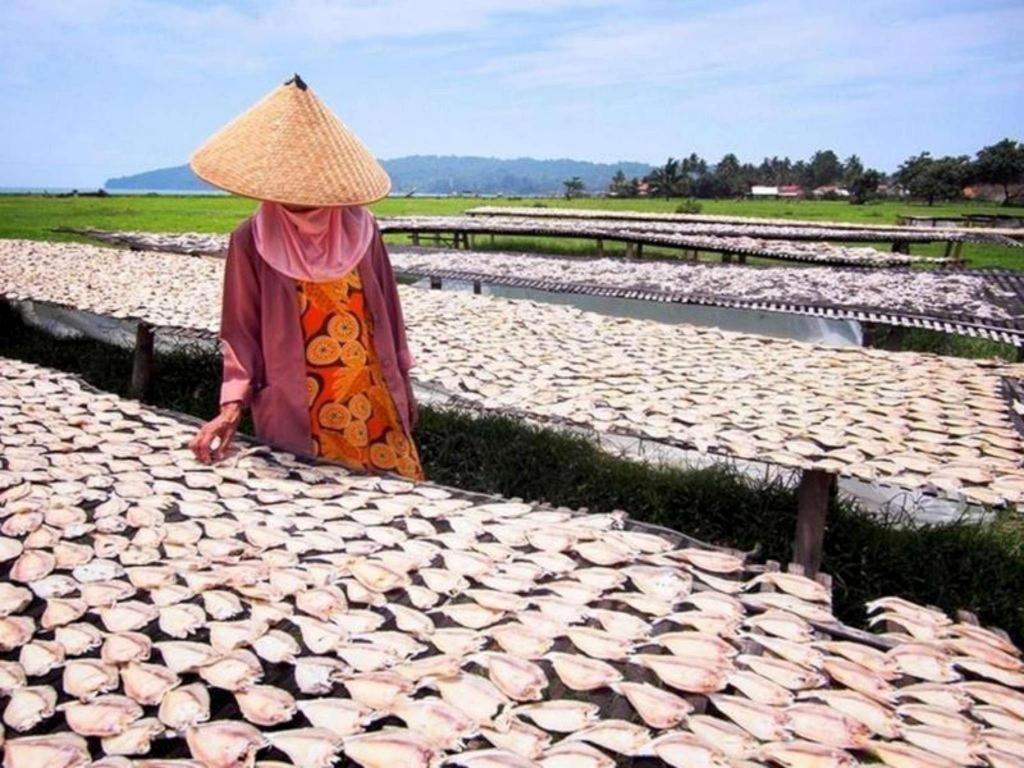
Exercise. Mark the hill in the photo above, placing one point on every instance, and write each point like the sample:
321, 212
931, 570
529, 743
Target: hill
436, 175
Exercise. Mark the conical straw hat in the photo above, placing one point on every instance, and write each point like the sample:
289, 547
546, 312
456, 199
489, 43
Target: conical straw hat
290, 148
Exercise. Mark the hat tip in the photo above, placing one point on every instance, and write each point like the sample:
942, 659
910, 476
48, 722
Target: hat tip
297, 81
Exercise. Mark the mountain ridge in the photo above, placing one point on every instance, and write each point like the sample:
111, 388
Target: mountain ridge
435, 174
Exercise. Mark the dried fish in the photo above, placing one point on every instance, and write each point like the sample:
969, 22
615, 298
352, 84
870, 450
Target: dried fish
266, 705
580, 673
519, 679
685, 750
691, 676
388, 748
224, 743
103, 716
29, 706
617, 736
185, 707
342, 716
559, 715
659, 709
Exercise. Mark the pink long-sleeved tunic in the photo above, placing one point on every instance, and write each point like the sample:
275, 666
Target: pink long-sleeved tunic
263, 347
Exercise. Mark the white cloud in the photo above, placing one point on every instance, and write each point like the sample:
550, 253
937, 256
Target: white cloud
780, 44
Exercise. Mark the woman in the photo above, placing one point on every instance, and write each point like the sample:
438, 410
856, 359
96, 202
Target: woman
311, 328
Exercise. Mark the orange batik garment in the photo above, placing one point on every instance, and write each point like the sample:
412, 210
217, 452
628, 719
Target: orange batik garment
353, 419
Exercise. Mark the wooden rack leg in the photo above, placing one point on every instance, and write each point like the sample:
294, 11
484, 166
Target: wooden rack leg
435, 283
600, 246
476, 287
415, 238
142, 362
812, 508
639, 250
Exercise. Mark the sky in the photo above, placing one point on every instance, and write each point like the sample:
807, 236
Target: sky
91, 89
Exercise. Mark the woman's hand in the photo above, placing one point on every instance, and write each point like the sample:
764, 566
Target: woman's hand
213, 438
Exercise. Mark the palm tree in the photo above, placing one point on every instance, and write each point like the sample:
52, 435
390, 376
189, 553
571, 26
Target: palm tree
573, 187
667, 180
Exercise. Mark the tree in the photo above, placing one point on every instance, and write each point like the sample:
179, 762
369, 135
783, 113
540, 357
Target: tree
668, 181
619, 186
824, 168
573, 187
864, 186
729, 180
933, 178
695, 169
853, 169
1001, 163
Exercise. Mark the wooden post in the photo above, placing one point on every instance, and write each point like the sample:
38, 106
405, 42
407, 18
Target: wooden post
600, 246
142, 362
476, 287
435, 283
639, 251
901, 246
415, 238
742, 258
957, 258
812, 498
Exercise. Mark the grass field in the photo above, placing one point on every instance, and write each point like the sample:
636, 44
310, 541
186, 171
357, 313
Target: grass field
34, 217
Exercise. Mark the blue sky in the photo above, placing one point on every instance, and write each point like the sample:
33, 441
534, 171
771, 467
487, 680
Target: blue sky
97, 88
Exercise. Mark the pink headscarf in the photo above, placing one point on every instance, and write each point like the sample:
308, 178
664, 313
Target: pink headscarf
316, 245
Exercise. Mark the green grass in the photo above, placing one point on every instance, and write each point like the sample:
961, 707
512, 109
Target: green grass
34, 216
979, 567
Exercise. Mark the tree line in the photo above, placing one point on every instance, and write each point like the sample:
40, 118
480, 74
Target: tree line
921, 176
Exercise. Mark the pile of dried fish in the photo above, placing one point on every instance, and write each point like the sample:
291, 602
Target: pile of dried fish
154, 607
191, 243
912, 420
933, 293
740, 244
764, 242
790, 228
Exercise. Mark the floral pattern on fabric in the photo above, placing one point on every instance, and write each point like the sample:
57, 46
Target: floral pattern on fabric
353, 419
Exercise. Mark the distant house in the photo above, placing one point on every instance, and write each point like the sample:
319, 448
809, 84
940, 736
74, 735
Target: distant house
992, 193
763, 191
892, 190
643, 189
791, 191
830, 190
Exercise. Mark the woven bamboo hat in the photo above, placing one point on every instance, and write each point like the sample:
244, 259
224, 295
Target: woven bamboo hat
290, 148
